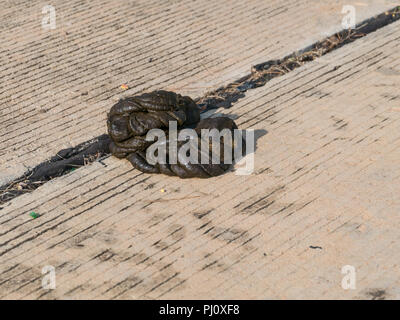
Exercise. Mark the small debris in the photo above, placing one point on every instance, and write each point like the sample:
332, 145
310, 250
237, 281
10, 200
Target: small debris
34, 215
162, 190
124, 87
315, 247
202, 106
102, 163
150, 186
377, 294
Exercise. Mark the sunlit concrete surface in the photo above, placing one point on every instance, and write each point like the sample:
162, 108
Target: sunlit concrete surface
323, 195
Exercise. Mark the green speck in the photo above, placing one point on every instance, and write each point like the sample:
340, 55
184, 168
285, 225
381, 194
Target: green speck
34, 215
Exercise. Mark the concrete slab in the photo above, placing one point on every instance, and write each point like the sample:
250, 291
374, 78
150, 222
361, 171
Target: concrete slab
57, 85
324, 195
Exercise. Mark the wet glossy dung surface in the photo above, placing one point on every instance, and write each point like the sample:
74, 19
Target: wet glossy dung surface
131, 119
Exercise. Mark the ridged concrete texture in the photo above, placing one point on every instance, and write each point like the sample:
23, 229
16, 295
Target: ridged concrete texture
323, 195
